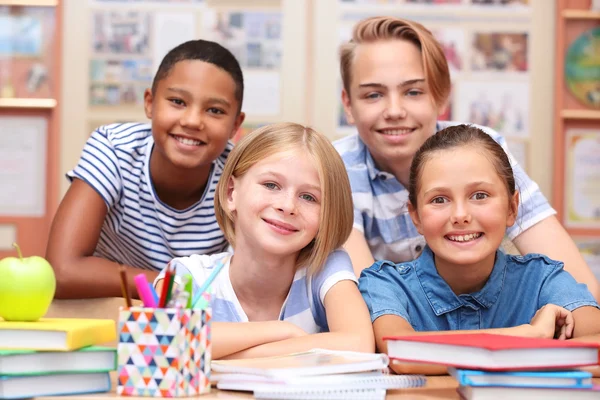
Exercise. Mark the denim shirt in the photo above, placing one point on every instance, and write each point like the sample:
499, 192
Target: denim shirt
517, 287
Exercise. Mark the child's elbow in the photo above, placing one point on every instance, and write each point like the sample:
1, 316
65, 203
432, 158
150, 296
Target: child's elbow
364, 343
62, 277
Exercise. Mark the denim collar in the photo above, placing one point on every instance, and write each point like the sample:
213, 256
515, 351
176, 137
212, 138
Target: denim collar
442, 299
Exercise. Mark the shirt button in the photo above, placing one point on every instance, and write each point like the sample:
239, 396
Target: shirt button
418, 248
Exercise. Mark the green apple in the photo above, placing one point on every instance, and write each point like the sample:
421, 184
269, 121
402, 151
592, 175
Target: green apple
27, 287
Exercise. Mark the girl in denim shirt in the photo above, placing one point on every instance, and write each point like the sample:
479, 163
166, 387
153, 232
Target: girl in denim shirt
463, 196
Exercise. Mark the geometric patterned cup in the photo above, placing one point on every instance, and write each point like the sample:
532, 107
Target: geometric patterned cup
164, 352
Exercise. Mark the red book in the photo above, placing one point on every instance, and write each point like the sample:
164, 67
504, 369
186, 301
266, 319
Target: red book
493, 352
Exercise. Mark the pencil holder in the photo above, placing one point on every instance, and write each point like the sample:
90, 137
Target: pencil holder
164, 352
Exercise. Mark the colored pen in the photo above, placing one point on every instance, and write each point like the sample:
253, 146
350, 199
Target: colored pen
188, 288
142, 287
170, 289
165, 288
207, 283
124, 285
153, 292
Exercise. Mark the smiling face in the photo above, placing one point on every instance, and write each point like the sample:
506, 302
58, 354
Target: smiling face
463, 207
194, 113
389, 100
276, 204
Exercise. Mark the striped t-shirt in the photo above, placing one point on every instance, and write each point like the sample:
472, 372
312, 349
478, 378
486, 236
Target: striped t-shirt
381, 201
303, 306
139, 229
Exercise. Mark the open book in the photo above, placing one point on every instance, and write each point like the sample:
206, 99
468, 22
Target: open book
309, 363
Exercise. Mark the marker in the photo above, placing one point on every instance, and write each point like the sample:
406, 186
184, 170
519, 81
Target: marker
207, 283
144, 291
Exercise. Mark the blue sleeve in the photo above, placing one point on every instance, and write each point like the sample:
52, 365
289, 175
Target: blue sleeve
533, 205
383, 292
98, 167
338, 267
561, 289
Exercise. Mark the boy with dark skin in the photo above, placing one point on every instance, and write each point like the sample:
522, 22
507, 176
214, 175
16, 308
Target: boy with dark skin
143, 194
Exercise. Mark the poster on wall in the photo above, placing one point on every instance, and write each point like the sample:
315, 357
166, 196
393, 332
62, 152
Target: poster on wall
582, 186
582, 68
502, 106
121, 64
26, 52
499, 52
255, 39
23, 166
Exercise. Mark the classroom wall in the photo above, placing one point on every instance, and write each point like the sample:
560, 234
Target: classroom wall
309, 76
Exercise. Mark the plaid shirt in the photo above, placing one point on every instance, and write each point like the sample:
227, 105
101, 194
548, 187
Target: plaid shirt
380, 201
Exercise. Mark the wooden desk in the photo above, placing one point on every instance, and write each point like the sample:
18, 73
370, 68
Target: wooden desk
438, 387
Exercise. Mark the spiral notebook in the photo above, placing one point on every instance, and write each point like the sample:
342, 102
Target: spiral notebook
321, 384
308, 363
310, 394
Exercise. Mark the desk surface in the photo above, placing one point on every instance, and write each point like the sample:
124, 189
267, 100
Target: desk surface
437, 387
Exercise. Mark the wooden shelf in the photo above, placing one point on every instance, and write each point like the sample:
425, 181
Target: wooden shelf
30, 3
27, 103
580, 114
580, 14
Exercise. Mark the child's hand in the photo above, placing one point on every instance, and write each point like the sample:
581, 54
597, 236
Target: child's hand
552, 321
293, 330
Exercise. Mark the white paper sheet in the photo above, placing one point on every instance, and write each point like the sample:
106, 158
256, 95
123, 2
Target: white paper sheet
262, 93
170, 30
23, 166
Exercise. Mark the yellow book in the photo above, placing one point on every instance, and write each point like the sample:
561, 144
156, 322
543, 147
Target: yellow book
58, 334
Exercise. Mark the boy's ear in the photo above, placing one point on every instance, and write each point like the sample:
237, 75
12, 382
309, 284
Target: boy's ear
148, 103
442, 109
347, 106
513, 209
239, 120
414, 215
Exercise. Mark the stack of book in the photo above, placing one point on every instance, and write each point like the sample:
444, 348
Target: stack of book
489, 366
55, 356
315, 374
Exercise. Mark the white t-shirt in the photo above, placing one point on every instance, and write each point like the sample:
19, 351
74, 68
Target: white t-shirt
303, 306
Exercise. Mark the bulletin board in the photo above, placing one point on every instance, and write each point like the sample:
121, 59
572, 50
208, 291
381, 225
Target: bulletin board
29, 122
125, 41
491, 47
488, 56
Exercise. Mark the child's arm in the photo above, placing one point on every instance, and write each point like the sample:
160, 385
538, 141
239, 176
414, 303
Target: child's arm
587, 321
73, 237
349, 327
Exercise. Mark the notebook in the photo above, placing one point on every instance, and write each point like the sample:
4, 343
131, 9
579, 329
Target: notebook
13, 387
310, 394
309, 363
29, 362
513, 393
365, 380
57, 334
548, 379
493, 352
